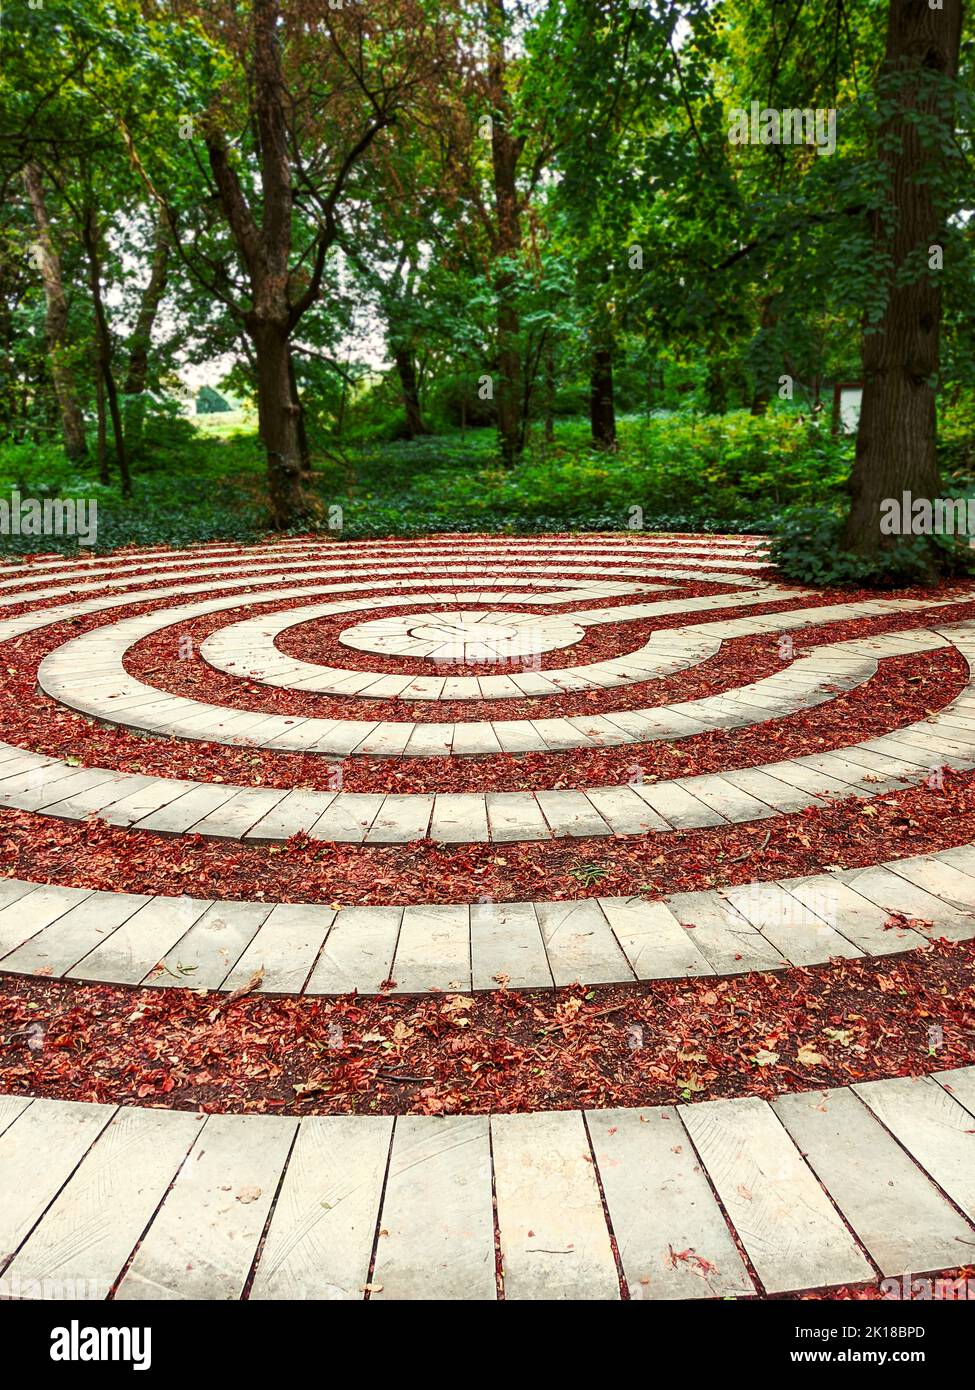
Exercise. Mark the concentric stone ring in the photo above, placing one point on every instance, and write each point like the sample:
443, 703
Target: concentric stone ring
464, 637
165, 831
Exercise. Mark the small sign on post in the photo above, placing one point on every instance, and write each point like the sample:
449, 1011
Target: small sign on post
847, 396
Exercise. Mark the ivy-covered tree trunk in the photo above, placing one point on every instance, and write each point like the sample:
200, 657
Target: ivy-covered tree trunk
141, 339
768, 319
56, 319
550, 389
895, 446
716, 388
509, 374
101, 446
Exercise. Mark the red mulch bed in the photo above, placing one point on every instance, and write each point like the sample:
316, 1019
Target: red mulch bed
846, 834
317, 641
741, 660
905, 689
649, 1044
917, 1289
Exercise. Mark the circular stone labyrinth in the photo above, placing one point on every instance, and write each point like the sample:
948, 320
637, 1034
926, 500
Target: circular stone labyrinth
464, 638
472, 1199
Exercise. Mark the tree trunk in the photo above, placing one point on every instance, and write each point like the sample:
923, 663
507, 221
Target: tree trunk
265, 251
716, 388
102, 450
343, 401
278, 420
103, 342
140, 342
656, 385
762, 394
141, 339
406, 368
56, 321
509, 377
505, 152
895, 446
602, 412
304, 452
8, 371
549, 390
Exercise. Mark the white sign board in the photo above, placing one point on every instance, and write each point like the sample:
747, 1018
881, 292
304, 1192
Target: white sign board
849, 411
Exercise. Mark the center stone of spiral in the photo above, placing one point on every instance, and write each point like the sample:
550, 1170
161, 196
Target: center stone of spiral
464, 637
463, 631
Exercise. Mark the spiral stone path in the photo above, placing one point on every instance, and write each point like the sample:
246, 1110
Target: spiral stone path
497, 693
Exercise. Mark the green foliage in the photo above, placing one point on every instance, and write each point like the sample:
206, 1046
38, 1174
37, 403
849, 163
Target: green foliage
455, 402
711, 270
189, 488
807, 549
734, 472
682, 471
778, 473
956, 443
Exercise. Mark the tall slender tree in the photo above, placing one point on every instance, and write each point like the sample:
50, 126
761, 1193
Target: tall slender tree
48, 262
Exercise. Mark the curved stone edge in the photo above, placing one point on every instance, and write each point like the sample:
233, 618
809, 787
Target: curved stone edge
132, 939
830, 669
136, 628
564, 590
247, 649
87, 674
822, 1188
453, 571
903, 758
255, 815
122, 562
594, 542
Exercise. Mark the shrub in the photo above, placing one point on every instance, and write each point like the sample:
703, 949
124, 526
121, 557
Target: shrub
807, 548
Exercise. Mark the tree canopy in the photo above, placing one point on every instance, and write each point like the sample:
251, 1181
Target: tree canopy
485, 213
